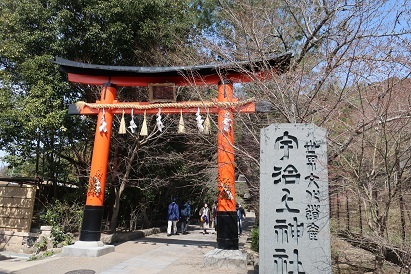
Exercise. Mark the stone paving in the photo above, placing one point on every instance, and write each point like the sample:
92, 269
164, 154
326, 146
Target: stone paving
157, 253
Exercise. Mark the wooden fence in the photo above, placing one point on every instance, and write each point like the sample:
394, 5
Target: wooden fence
16, 207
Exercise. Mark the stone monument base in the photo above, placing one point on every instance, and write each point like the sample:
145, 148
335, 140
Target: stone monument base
229, 259
87, 249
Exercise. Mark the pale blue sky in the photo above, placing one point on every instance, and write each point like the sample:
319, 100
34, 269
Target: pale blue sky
1, 155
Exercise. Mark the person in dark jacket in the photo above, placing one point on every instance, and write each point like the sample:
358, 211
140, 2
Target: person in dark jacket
241, 216
185, 214
173, 217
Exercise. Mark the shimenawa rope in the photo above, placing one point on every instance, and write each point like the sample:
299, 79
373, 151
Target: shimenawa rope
81, 104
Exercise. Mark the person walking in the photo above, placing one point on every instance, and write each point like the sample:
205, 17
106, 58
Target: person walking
185, 214
173, 217
205, 217
241, 216
214, 215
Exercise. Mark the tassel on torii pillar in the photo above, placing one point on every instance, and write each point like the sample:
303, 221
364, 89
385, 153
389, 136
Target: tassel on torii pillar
227, 221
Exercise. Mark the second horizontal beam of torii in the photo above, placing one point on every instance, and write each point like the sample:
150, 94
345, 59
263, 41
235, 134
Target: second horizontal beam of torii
83, 108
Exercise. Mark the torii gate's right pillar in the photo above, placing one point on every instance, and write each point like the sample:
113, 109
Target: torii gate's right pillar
227, 221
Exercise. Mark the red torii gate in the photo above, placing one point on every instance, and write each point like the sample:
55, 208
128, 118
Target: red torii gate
110, 77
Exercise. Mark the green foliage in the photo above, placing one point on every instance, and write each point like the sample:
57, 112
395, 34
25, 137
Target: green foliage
61, 214
64, 219
34, 95
41, 245
255, 239
41, 250
48, 253
60, 238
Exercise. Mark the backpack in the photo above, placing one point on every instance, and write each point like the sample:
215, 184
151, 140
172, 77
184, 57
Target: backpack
185, 211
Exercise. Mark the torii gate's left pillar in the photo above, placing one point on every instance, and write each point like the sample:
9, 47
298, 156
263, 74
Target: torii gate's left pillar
93, 211
89, 244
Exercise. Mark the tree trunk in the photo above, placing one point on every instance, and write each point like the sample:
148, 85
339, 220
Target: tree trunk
116, 207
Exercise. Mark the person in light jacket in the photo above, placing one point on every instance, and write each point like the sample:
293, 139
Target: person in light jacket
205, 217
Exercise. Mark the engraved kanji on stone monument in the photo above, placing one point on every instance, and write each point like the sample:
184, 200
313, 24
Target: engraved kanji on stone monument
294, 208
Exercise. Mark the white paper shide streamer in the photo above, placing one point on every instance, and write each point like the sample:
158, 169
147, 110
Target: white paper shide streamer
226, 122
103, 123
160, 125
200, 121
133, 125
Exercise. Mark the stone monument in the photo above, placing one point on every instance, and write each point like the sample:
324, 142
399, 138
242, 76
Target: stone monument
294, 233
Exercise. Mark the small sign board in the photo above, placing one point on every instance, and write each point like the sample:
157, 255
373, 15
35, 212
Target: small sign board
162, 92
294, 235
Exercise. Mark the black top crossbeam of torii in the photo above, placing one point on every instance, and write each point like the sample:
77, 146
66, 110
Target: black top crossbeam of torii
237, 72
244, 71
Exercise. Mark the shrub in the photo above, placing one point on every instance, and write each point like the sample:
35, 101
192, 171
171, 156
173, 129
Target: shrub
255, 239
64, 220
60, 238
41, 245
